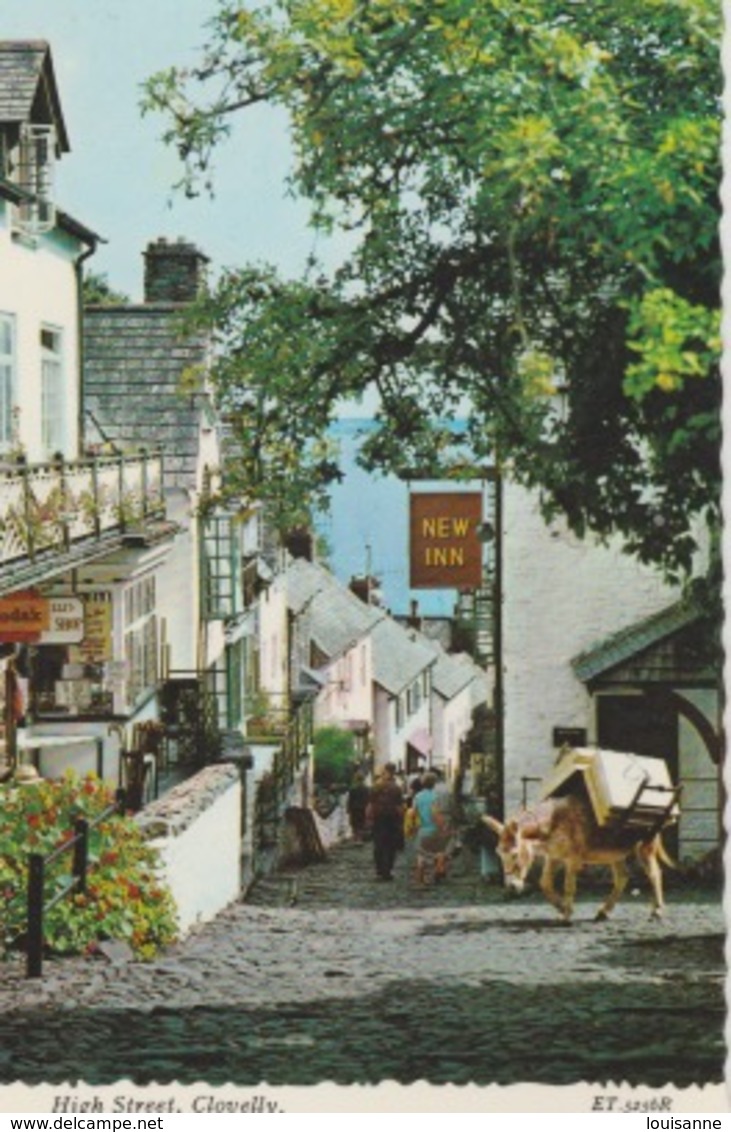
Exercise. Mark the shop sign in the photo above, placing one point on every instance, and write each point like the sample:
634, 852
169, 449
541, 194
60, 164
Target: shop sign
96, 647
66, 621
445, 547
24, 615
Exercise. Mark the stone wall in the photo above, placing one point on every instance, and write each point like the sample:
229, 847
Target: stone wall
196, 828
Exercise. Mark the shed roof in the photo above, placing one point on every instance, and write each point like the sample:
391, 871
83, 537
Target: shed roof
621, 646
28, 89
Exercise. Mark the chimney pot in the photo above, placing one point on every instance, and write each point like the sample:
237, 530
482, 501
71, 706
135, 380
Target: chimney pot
174, 272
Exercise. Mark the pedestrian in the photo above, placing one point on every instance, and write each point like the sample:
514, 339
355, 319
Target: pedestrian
356, 805
415, 785
432, 838
386, 816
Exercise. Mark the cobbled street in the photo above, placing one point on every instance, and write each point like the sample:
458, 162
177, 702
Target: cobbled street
326, 974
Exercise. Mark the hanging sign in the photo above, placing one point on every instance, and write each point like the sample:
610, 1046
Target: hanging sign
28, 617
96, 647
24, 615
66, 622
445, 547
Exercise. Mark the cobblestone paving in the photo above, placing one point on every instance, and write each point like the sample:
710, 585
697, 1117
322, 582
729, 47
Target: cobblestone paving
327, 974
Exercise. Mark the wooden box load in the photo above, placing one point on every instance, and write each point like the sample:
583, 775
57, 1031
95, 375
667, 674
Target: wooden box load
631, 791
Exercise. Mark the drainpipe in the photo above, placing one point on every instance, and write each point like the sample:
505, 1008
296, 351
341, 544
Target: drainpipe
79, 269
499, 691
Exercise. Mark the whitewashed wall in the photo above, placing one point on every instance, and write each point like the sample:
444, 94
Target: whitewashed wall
390, 741
38, 285
348, 692
273, 641
450, 722
561, 596
196, 829
177, 585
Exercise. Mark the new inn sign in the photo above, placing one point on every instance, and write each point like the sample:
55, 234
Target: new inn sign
445, 547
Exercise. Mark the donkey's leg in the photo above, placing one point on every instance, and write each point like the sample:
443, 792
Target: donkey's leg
547, 886
569, 890
620, 876
648, 859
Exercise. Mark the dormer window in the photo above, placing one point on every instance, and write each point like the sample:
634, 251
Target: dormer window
36, 153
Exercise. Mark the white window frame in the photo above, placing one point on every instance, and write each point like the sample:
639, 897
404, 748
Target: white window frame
8, 381
36, 159
53, 430
141, 638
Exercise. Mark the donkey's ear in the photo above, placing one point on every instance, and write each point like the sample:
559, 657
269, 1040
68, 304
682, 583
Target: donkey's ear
493, 824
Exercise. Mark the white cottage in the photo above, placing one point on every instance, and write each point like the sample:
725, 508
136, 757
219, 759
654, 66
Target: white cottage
458, 686
331, 648
402, 672
79, 657
597, 649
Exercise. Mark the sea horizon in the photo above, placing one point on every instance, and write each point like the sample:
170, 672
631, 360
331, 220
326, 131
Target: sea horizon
366, 529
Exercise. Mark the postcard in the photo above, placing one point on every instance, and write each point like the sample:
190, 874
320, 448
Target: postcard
361, 584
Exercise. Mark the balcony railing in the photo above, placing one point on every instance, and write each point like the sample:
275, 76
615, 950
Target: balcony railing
55, 506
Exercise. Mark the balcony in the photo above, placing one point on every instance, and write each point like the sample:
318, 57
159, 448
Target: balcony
57, 515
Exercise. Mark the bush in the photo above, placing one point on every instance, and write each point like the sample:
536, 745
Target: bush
124, 899
334, 753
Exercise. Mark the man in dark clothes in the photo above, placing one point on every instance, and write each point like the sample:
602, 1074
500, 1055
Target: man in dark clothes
386, 815
358, 796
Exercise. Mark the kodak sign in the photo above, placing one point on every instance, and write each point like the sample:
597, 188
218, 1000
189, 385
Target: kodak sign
445, 551
24, 615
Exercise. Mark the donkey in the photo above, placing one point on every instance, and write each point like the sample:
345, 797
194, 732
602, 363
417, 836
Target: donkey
562, 832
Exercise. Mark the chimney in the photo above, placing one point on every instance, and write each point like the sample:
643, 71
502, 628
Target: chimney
414, 618
300, 543
359, 586
174, 272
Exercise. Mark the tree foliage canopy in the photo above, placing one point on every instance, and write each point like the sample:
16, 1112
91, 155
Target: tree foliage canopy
98, 290
528, 195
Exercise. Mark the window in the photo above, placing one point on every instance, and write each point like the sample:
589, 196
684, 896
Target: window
52, 399
220, 568
79, 679
7, 378
35, 175
140, 638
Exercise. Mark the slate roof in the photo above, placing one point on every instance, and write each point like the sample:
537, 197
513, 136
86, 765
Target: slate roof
28, 89
304, 579
336, 618
633, 639
450, 675
453, 672
134, 357
398, 659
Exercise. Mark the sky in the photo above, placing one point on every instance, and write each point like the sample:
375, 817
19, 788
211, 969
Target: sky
118, 178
